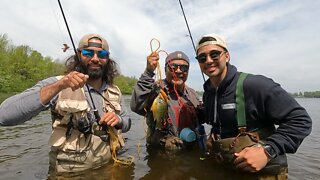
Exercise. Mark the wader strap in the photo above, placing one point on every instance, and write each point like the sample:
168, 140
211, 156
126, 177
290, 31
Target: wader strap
240, 102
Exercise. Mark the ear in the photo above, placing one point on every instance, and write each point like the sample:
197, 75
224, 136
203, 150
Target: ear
227, 57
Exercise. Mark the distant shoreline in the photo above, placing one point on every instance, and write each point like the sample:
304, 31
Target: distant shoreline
4, 96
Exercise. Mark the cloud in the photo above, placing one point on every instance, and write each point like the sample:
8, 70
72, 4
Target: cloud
279, 39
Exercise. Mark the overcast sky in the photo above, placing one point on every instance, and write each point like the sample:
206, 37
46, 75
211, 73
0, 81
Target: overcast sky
278, 39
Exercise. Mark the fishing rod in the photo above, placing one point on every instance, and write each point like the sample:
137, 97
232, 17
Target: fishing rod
95, 111
200, 128
190, 35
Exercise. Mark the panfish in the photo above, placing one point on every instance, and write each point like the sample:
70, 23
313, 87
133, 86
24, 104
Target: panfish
159, 109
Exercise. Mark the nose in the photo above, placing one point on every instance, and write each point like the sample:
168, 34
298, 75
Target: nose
209, 59
178, 69
95, 57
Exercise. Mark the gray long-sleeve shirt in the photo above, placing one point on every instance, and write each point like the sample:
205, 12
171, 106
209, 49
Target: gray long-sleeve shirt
22, 107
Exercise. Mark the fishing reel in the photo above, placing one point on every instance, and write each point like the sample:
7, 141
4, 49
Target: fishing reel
85, 124
200, 110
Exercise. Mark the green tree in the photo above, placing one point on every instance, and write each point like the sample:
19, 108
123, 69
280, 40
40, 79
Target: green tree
125, 84
21, 66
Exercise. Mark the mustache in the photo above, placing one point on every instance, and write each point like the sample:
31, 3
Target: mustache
95, 63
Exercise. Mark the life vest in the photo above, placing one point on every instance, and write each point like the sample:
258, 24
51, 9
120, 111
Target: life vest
76, 150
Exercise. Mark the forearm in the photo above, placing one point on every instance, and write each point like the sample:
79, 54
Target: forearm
50, 91
290, 133
141, 92
293, 120
125, 120
22, 107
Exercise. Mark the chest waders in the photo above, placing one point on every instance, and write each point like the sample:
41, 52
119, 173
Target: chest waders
224, 149
76, 142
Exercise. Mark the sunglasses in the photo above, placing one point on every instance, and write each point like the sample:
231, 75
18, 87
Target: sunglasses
182, 67
214, 54
102, 54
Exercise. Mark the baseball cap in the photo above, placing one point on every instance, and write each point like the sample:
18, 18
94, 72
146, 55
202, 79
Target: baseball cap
217, 39
177, 55
84, 41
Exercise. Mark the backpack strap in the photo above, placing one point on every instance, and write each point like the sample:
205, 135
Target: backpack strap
240, 103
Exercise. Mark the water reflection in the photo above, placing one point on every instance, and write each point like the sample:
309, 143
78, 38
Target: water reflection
24, 155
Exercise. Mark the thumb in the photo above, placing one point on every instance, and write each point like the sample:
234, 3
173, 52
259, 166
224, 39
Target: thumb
240, 153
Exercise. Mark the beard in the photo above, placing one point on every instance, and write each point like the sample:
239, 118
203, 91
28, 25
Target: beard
93, 74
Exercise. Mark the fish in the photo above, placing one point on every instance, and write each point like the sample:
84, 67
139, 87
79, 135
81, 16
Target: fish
159, 109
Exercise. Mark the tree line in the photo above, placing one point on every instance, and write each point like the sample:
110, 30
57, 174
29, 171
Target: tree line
22, 67
313, 94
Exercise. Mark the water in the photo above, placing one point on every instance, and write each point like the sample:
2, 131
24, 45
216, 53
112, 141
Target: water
24, 154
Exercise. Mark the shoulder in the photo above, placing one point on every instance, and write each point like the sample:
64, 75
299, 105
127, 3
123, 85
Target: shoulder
114, 89
253, 81
190, 90
261, 85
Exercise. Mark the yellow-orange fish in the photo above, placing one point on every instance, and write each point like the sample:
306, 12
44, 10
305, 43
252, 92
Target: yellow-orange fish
159, 108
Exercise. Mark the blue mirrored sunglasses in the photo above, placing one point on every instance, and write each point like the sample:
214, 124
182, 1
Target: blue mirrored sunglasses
102, 54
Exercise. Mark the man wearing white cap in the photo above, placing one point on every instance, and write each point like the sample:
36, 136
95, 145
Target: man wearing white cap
243, 110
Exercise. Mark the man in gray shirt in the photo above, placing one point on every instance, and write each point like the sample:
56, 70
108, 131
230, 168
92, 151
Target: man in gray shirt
87, 109
169, 105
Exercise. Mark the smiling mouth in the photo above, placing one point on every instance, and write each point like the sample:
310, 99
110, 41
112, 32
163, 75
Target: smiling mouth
94, 67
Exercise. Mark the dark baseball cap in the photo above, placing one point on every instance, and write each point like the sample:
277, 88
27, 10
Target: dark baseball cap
177, 55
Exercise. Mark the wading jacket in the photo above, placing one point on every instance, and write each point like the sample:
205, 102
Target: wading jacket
143, 96
69, 145
266, 105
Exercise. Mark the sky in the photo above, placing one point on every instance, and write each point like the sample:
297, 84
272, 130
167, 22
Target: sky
277, 39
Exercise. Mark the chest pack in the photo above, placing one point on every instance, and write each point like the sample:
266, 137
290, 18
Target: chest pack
224, 149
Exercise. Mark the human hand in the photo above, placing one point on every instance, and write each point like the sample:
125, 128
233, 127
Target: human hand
152, 61
251, 159
73, 80
173, 143
109, 118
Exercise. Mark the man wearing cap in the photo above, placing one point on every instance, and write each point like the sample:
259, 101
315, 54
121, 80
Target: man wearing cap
176, 111
86, 108
243, 110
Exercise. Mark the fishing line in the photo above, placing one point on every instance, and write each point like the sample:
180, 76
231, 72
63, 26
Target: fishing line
190, 35
65, 20
55, 16
95, 111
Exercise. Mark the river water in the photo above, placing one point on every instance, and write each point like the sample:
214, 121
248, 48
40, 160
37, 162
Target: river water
24, 154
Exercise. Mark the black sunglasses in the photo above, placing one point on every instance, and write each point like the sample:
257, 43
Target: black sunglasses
182, 67
214, 54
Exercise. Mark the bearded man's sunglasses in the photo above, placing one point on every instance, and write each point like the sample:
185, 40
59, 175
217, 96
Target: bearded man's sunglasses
102, 54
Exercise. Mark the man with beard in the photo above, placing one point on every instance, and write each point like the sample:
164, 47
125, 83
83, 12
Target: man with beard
169, 105
88, 114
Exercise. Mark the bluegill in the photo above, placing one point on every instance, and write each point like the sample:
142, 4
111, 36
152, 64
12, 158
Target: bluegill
159, 109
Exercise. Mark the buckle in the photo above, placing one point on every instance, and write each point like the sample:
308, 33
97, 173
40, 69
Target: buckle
242, 129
